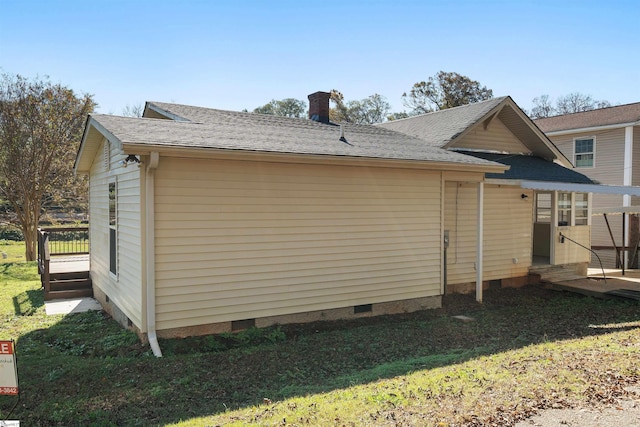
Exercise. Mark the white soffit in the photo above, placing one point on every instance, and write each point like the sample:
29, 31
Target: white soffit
581, 188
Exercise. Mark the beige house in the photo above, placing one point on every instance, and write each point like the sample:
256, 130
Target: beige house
204, 221
604, 144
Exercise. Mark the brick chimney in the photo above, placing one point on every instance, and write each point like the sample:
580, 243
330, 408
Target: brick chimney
319, 106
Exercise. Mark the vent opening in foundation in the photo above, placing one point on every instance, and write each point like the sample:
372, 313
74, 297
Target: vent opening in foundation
364, 308
241, 325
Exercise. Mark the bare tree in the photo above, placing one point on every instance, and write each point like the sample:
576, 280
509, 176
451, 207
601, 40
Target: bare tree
444, 90
370, 110
542, 107
574, 102
40, 128
135, 110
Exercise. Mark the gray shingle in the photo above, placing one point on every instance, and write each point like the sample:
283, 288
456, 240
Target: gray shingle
228, 130
531, 168
440, 127
629, 113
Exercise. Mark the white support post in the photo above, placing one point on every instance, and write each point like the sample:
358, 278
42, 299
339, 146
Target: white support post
627, 180
480, 244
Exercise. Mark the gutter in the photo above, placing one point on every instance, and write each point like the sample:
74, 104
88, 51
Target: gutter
150, 251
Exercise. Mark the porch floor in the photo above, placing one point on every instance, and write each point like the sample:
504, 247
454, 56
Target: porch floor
69, 264
617, 285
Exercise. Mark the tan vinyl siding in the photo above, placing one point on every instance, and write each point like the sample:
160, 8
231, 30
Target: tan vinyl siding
609, 162
508, 232
599, 232
240, 240
496, 137
126, 290
635, 174
461, 219
568, 252
609, 156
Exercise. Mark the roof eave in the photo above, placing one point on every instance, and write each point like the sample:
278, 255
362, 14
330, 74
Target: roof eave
223, 153
87, 147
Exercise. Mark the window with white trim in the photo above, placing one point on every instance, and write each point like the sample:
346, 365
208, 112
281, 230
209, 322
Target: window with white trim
564, 209
113, 228
582, 208
543, 208
584, 150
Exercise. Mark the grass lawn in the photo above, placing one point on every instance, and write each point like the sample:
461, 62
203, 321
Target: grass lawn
525, 350
14, 251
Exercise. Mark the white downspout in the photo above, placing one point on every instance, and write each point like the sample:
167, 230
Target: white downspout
480, 245
150, 250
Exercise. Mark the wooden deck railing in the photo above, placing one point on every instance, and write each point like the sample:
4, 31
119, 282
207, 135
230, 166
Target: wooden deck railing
59, 241
44, 259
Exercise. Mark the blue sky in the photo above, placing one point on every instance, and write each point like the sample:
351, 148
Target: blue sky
241, 54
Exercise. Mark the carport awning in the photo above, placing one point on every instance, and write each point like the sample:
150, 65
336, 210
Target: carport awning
581, 188
616, 210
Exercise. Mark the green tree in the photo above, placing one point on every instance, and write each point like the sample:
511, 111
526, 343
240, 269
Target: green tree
41, 126
288, 107
444, 90
398, 116
370, 110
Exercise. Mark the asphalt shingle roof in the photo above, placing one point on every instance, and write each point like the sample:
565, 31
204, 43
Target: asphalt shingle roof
629, 113
228, 130
531, 168
440, 127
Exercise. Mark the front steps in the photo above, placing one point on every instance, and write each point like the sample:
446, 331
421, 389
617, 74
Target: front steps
69, 285
556, 273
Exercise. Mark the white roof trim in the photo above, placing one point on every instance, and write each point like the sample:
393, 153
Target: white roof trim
581, 188
591, 129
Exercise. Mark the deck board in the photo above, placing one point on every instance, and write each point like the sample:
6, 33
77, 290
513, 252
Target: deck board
69, 264
616, 285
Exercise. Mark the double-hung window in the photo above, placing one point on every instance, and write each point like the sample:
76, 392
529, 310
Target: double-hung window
584, 152
113, 228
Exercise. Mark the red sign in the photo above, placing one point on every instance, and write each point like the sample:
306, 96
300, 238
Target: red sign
6, 347
8, 368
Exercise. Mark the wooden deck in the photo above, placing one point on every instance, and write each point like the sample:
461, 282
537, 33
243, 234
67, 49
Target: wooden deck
615, 286
69, 264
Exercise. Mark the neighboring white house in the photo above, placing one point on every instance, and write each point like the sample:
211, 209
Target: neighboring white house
204, 221
604, 144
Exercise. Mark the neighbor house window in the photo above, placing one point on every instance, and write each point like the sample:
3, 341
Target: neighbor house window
582, 209
584, 150
113, 224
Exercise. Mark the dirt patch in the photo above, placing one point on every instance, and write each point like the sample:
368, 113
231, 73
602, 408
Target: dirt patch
625, 412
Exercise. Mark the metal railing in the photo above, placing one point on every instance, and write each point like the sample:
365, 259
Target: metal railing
59, 241
562, 239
